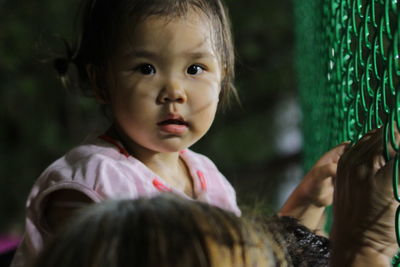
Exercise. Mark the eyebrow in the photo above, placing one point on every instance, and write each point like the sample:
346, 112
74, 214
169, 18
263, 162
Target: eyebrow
195, 53
150, 54
201, 54
141, 53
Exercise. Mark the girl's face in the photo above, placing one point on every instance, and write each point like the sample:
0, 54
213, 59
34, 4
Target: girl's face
165, 83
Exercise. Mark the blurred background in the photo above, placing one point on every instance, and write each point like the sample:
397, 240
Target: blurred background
258, 146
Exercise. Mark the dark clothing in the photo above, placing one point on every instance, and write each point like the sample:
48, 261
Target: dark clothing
304, 247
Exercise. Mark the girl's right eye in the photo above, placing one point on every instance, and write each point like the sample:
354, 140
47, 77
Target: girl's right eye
146, 69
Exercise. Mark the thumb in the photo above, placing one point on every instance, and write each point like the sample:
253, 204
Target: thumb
334, 154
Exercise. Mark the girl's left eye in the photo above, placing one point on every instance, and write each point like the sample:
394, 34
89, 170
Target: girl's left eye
195, 69
146, 69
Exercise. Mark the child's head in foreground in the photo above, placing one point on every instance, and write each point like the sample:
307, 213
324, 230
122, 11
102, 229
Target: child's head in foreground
162, 231
160, 66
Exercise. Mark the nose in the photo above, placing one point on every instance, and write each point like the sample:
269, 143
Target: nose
173, 91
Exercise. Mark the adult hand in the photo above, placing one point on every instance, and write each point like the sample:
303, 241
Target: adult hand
363, 232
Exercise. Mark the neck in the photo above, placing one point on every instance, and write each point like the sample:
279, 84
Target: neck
163, 164
167, 165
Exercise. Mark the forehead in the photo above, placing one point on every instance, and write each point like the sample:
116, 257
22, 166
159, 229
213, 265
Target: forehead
190, 31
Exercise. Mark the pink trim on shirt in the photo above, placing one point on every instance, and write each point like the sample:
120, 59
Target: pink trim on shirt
203, 183
114, 142
160, 186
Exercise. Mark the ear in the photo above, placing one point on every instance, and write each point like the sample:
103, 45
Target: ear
93, 75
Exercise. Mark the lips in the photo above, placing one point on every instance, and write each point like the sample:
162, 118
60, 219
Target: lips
173, 121
173, 124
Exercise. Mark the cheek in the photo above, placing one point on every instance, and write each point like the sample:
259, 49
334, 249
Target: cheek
205, 96
134, 95
204, 106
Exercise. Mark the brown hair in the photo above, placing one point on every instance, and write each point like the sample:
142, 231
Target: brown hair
102, 21
164, 231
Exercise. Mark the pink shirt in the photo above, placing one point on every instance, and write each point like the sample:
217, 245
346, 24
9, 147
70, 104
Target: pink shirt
104, 170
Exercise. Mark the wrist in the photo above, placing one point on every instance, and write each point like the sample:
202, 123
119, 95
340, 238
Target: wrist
307, 213
356, 256
355, 237
299, 201
354, 247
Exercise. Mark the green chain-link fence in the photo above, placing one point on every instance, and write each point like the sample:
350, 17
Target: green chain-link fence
348, 65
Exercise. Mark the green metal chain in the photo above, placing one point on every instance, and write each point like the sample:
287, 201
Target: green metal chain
355, 45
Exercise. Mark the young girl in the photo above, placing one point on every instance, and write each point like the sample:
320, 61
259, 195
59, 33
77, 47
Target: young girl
161, 69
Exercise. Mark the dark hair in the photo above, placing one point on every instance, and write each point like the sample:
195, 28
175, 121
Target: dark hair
103, 20
164, 231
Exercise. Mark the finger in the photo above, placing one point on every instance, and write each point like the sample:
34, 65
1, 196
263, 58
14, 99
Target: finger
370, 140
324, 171
384, 178
334, 154
392, 137
366, 150
371, 133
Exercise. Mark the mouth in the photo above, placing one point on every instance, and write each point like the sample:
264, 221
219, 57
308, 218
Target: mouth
173, 121
173, 124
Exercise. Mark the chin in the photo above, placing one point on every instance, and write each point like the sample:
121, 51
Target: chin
171, 146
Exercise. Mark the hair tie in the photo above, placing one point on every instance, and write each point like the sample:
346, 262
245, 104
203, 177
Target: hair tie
61, 65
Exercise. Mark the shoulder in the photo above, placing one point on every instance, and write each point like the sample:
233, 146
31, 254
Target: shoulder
96, 169
84, 165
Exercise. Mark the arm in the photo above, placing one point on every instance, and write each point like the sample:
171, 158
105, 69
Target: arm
309, 199
61, 206
363, 231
